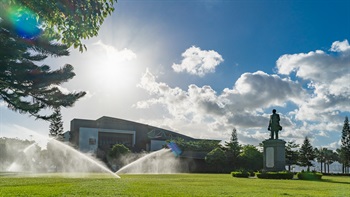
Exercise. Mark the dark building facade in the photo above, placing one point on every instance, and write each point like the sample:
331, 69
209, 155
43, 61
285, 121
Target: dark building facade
101, 134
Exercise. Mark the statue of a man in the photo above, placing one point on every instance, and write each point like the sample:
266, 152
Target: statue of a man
274, 124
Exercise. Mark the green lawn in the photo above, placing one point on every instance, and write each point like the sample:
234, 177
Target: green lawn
169, 185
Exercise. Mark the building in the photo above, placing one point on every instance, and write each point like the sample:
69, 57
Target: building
65, 136
100, 135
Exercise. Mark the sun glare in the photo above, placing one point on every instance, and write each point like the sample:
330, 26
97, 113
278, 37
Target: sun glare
112, 74
116, 68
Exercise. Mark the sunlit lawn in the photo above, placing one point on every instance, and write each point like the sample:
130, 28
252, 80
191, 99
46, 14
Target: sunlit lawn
168, 185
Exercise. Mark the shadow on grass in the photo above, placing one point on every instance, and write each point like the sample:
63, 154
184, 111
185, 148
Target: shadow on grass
333, 181
327, 180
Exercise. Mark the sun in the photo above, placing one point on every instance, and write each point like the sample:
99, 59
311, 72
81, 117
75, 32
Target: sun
114, 69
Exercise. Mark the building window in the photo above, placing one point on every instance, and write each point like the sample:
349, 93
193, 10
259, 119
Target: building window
92, 141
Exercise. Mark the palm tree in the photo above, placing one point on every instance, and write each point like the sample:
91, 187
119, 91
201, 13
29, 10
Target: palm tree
321, 158
330, 157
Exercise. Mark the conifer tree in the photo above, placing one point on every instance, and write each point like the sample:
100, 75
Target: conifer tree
345, 145
26, 86
30, 31
306, 154
233, 149
291, 154
56, 125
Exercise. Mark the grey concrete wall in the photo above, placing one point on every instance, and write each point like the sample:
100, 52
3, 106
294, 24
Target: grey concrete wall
274, 155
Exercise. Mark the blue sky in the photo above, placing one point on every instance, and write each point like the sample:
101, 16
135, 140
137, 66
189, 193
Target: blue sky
203, 67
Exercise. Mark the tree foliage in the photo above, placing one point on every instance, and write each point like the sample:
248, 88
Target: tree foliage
118, 150
306, 154
344, 152
292, 154
56, 125
233, 145
233, 149
216, 158
330, 157
67, 21
321, 156
196, 145
26, 86
326, 157
251, 158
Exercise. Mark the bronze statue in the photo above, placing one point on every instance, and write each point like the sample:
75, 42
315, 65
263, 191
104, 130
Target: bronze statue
274, 124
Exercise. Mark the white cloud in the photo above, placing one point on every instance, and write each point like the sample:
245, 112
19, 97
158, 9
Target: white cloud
238, 107
198, 62
338, 46
333, 145
261, 90
328, 76
115, 54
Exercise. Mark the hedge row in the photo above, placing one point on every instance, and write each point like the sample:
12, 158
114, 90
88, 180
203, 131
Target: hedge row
279, 175
309, 176
243, 174
275, 175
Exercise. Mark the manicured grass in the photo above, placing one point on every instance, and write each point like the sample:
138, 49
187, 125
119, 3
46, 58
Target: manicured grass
169, 185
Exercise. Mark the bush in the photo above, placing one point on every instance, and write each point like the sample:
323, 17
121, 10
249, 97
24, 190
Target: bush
275, 175
118, 150
242, 174
309, 176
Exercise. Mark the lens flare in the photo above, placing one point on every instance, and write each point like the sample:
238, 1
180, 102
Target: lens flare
174, 148
24, 22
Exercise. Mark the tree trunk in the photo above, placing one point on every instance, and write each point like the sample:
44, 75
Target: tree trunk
328, 168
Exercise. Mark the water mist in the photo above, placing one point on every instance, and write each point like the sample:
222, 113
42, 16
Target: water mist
158, 162
57, 157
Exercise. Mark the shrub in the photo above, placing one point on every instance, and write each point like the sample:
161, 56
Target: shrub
242, 174
275, 175
309, 176
251, 173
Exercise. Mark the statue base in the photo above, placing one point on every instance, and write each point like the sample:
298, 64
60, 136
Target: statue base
274, 155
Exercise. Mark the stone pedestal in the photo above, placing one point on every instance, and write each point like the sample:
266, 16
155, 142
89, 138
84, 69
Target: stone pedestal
274, 155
